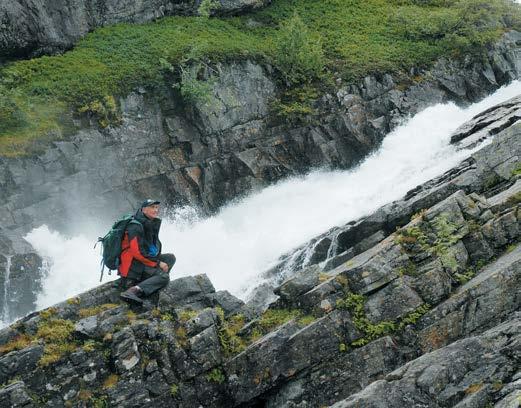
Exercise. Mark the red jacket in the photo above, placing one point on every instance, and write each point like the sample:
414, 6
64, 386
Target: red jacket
138, 238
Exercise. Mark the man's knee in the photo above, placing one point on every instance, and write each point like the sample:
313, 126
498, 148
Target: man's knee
169, 259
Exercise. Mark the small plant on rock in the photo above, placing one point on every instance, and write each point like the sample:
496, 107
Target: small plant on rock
193, 87
111, 381
187, 314
18, 343
105, 111
216, 376
207, 7
174, 390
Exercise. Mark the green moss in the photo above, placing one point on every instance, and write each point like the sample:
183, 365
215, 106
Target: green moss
306, 320
48, 313
435, 237
111, 381
517, 170
99, 402
55, 330
131, 315
89, 345
186, 315
104, 110
216, 376
355, 303
55, 352
273, 318
56, 334
167, 317
409, 269
92, 311
174, 390
230, 342
464, 277
18, 343
303, 40
515, 199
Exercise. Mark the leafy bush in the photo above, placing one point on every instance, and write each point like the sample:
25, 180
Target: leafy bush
298, 52
105, 111
194, 89
207, 7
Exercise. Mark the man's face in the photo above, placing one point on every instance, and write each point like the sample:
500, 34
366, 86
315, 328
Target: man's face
152, 211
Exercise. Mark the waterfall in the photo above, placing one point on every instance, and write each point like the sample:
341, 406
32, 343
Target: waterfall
7, 287
248, 237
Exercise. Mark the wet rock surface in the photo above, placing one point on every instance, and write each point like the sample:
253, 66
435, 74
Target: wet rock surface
425, 315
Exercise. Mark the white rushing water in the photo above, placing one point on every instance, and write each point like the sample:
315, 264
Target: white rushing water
247, 237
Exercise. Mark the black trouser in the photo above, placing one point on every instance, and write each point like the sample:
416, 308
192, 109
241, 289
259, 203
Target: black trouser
154, 279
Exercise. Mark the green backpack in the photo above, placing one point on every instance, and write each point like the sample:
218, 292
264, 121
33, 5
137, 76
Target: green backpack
111, 243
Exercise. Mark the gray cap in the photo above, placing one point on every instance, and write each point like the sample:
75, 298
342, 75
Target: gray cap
148, 202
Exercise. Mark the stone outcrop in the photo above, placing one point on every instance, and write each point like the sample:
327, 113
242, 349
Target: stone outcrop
426, 314
36, 27
472, 372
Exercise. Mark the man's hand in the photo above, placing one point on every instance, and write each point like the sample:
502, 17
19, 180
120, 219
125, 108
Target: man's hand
163, 266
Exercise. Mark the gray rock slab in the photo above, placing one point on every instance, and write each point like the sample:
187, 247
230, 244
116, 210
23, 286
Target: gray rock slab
480, 303
448, 375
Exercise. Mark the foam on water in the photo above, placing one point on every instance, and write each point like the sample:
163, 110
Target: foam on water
247, 237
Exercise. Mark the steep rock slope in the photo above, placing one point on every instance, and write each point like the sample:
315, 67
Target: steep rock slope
35, 27
218, 151
431, 309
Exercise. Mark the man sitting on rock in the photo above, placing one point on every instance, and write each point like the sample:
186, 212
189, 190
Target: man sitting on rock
144, 269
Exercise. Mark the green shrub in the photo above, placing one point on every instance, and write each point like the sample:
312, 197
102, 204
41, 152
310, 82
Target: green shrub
207, 7
298, 52
104, 110
295, 105
193, 88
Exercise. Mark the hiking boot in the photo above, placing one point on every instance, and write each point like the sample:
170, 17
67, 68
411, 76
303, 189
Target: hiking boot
132, 294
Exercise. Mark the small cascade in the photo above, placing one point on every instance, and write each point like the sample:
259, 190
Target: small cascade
7, 290
333, 248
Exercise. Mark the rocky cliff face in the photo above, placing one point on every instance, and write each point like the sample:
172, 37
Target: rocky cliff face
35, 27
426, 315
205, 154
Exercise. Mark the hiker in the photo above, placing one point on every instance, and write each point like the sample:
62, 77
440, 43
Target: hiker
144, 269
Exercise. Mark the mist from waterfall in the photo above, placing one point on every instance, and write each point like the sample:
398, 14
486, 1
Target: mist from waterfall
248, 236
